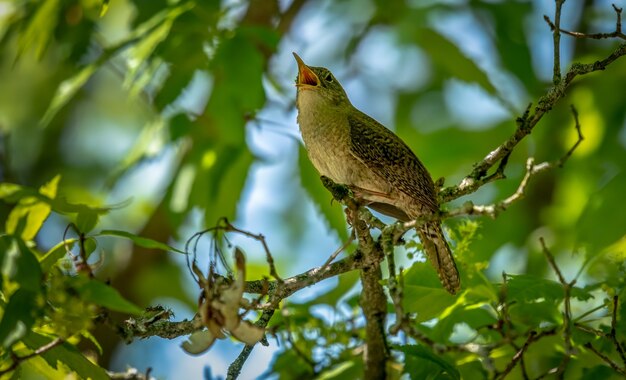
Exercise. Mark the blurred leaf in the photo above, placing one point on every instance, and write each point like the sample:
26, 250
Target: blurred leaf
40, 28
140, 241
345, 283
534, 313
101, 294
8, 190
220, 176
66, 91
104, 7
32, 211
56, 253
598, 372
86, 220
67, 354
510, 36
18, 316
331, 210
600, 206
19, 264
183, 59
288, 365
423, 293
447, 56
422, 363
237, 69
527, 288
427, 302
346, 370
475, 316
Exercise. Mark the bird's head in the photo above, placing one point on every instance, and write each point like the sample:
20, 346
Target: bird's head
319, 81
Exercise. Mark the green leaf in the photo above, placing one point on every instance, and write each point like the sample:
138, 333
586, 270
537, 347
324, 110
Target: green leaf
345, 283
19, 264
510, 37
422, 363
527, 288
66, 90
140, 241
352, 369
447, 56
217, 177
67, 354
27, 217
601, 204
310, 179
423, 293
55, 254
238, 68
474, 315
290, 366
7, 190
427, 302
40, 29
101, 294
18, 316
86, 220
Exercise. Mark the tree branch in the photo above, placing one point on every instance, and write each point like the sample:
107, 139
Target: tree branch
478, 177
555, 27
17, 360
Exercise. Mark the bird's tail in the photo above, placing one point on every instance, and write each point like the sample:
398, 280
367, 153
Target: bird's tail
439, 254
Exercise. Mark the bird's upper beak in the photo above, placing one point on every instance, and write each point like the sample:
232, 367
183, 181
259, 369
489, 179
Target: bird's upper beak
306, 76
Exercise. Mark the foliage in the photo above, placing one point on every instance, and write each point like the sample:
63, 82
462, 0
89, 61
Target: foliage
126, 124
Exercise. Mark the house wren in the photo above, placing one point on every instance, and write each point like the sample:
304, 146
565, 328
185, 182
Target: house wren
354, 150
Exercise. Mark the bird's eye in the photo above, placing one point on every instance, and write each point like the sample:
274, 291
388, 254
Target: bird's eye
329, 78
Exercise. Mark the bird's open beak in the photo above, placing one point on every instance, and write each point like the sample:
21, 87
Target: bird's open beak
306, 76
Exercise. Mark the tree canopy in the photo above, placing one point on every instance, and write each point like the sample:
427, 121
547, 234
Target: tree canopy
156, 192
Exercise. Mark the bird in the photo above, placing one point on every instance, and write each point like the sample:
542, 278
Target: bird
352, 149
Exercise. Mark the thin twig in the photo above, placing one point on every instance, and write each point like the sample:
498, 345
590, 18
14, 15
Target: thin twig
567, 313
613, 335
617, 33
17, 360
556, 38
606, 359
518, 356
334, 255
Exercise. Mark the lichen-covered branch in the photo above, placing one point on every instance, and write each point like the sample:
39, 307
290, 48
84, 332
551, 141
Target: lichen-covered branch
525, 124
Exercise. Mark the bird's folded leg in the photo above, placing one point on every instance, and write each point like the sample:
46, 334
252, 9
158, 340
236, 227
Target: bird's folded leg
340, 192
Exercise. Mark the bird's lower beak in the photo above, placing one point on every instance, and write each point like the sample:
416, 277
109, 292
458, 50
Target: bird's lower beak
306, 76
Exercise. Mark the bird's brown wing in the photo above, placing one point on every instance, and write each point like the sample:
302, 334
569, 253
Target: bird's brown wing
391, 159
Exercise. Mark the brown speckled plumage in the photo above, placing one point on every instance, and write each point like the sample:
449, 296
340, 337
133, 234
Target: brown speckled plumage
352, 149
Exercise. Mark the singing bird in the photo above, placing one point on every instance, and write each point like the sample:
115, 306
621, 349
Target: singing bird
354, 150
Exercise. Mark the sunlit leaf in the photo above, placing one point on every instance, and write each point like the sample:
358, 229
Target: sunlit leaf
428, 303
344, 370
219, 181
28, 215
19, 264
422, 363
40, 29
104, 7
67, 354
66, 90
18, 316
